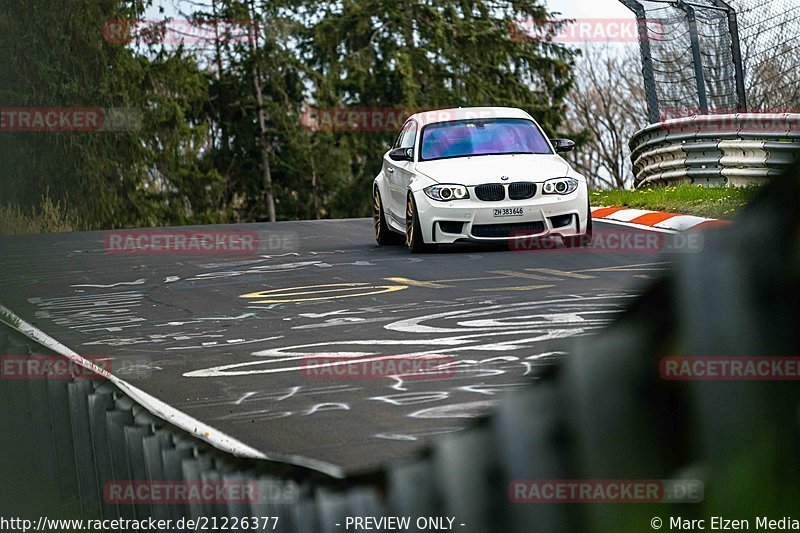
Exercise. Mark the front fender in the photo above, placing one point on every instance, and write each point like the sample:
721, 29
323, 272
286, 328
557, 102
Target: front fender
383, 186
420, 182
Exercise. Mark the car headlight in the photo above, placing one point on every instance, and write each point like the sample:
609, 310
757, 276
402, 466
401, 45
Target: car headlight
560, 186
446, 193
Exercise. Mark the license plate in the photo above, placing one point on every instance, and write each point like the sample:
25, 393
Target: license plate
508, 212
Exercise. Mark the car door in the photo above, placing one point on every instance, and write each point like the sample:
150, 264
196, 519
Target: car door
400, 173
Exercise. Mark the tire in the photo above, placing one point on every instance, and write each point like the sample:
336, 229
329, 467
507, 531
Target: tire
414, 241
384, 236
581, 241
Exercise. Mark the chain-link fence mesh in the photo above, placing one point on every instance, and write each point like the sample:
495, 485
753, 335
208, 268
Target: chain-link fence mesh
715, 57
770, 35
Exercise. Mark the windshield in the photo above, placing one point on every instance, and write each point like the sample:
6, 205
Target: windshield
482, 137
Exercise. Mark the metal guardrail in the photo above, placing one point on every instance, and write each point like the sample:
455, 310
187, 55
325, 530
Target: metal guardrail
737, 149
72, 436
602, 413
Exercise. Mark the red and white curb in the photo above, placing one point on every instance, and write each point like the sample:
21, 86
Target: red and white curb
655, 219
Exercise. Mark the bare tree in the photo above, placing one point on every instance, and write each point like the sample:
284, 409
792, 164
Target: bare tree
263, 138
772, 62
608, 105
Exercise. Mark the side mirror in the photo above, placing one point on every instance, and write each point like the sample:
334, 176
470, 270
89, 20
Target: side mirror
563, 145
401, 154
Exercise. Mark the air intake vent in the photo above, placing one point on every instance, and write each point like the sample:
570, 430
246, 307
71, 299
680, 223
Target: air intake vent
521, 191
502, 231
451, 227
490, 192
561, 221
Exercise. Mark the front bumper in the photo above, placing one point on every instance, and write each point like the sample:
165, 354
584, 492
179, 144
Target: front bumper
476, 220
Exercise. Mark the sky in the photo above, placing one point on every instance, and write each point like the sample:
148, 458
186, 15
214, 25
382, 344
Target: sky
590, 8
569, 8
590, 11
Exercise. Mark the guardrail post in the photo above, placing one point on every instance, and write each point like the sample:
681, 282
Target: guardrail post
116, 420
62, 431
79, 391
134, 444
412, 490
173, 471
465, 460
192, 470
152, 448
100, 402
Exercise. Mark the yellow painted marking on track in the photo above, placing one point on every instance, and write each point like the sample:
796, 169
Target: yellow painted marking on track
524, 288
291, 294
561, 273
416, 283
524, 275
468, 279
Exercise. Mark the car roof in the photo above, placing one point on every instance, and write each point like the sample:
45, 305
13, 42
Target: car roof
466, 113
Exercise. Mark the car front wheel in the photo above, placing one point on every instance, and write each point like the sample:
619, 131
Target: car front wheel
414, 240
383, 235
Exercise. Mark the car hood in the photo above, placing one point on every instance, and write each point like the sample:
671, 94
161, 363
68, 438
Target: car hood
489, 168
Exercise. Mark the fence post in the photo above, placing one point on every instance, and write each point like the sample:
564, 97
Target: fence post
647, 60
697, 59
736, 50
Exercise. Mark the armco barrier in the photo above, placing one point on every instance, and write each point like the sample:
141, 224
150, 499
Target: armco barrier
736, 149
64, 439
602, 413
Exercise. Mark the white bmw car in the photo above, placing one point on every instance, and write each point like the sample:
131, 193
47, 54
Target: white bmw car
483, 174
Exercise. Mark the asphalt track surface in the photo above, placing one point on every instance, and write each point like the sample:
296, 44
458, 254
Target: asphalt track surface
249, 344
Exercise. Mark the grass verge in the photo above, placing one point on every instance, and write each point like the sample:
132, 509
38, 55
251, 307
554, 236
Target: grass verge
48, 217
711, 202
